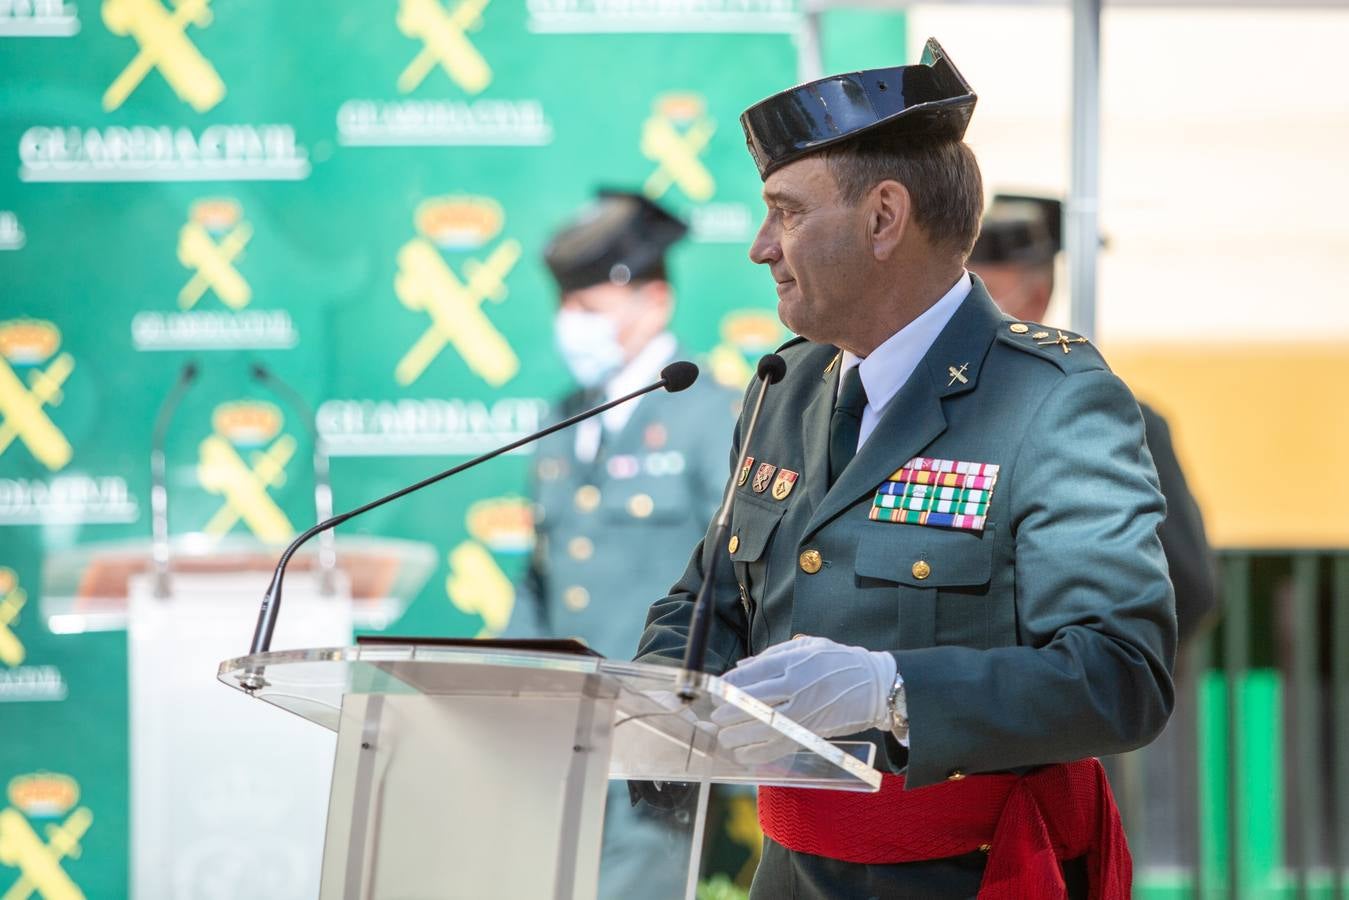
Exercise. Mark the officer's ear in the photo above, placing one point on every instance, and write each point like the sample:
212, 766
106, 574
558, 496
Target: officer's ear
890, 210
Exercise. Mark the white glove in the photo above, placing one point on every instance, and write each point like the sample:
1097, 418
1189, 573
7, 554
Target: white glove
828, 687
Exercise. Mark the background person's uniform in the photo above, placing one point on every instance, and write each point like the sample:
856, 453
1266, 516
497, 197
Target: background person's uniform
1026, 230
1045, 636
618, 506
1022, 234
618, 500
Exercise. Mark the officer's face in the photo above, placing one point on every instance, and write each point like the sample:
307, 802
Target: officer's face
812, 241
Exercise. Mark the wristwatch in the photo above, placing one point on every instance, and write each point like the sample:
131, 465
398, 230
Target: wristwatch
898, 707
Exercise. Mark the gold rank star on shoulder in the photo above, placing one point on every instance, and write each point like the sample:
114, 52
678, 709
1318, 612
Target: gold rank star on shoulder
1042, 338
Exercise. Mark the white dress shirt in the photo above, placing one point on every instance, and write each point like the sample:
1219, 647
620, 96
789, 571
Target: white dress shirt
885, 371
643, 369
889, 366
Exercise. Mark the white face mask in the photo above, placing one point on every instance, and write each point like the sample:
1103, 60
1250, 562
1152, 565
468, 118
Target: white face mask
589, 345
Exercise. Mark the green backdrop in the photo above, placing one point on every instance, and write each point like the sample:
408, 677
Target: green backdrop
315, 187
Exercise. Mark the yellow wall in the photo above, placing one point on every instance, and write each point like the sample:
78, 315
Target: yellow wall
1262, 431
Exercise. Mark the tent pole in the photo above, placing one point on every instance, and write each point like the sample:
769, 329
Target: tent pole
1082, 227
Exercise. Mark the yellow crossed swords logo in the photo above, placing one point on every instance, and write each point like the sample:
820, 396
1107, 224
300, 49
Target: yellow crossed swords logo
12, 599
164, 45
213, 262
676, 152
39, 861
442, 33
222, 470
476, 584
426, 283
21, 405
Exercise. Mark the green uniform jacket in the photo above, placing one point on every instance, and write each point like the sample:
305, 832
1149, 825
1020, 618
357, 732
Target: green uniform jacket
1188, 557
1047, 637
612, 533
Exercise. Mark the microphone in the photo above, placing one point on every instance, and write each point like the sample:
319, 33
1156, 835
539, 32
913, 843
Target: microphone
323, 490
770, 371
675, 377
159, 492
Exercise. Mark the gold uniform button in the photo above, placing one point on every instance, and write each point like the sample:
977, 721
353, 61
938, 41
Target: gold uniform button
734, 545
1019, 328
984, 848
921, 569
587, 498
957, 775
641, 506
576, 598
811, 561
581, 548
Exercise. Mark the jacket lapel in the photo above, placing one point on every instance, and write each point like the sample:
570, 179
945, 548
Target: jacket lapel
815, 426
914, 418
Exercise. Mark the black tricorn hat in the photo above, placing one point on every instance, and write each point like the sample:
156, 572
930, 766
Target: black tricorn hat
931, 99
618, 238
1019, 228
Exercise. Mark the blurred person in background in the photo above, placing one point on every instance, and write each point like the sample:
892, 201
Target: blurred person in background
620, 497
1018, 242
1020, 239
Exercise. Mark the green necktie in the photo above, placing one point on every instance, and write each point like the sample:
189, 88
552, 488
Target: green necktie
846, 424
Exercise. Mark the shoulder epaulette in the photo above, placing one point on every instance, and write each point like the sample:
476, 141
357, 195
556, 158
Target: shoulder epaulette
1070, 352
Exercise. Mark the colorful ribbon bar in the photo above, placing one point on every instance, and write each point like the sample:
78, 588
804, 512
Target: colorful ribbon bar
888, 501
946, 493
943, 479
942, 520
927, 464
961, 495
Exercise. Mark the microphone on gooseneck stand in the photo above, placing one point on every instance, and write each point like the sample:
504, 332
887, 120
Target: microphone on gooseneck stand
323, 490
771, 369
675, 377
159, 491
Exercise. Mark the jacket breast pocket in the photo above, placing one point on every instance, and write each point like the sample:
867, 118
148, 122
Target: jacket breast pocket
942, 578
753, 524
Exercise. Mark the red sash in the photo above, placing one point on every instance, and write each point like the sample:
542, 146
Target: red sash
1027, 824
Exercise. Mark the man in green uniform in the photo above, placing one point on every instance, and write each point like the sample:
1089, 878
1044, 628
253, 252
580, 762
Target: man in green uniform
945, 536
612, 494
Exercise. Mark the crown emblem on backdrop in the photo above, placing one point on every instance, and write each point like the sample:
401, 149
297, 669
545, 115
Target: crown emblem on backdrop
43, 794
505, 524
751, 330
247, 423
459, 222
217, 214
682, 108
28, 341
745, 334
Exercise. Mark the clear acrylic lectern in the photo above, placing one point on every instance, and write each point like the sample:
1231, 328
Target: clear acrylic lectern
480, 772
